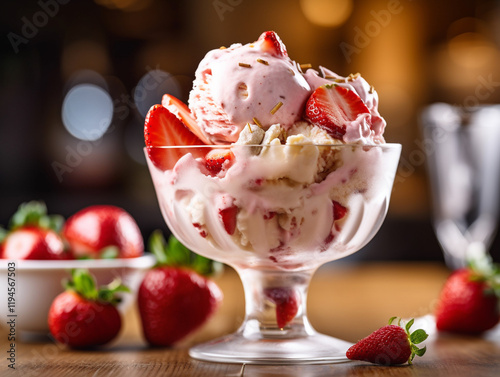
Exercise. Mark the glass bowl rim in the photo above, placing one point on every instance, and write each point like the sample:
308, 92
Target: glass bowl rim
226, 146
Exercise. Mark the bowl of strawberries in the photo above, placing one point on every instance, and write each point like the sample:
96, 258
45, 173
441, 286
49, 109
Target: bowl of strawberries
38, 252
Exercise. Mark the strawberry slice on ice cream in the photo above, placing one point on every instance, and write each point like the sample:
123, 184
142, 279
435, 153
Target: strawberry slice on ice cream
272, 44
333, 107
163, 128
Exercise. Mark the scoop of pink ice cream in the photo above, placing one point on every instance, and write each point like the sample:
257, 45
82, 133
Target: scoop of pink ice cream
255, 83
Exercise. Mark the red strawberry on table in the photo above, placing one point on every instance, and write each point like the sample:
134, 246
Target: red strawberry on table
332, 106
176, 298
389, 345
84, 316
287, 302
34, 235
272, 44
468, 303
103, 231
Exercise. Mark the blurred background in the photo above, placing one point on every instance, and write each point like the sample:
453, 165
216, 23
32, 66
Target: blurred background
77, 78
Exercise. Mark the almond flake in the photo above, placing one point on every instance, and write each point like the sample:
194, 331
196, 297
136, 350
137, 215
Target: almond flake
305, 66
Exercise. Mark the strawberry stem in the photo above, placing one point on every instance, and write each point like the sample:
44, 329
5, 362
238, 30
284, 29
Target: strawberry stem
175, 254
34, 213
84, 284
416, 337
484, 269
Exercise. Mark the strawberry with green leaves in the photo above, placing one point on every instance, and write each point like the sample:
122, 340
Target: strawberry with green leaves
85, 316
389, 345
33, 234
469, 300
176, 297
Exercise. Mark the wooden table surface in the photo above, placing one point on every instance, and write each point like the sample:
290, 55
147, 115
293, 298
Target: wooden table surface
345, 300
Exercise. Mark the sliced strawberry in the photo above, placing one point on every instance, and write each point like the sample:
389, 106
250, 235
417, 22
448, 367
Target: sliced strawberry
287, 302
339, 210
162, 128
331, 107
218, 159
228, 217
272, 44
182, 112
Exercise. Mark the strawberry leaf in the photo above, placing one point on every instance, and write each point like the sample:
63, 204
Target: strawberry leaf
409, 325
108, 293
418, 336
174, 253
157, 246
420, 351
178, 253
391, 320
56, 223
110, 252
28, 214
3, 234
84, 284
34, 213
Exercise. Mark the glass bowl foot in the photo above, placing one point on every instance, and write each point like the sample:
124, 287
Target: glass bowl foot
237, 348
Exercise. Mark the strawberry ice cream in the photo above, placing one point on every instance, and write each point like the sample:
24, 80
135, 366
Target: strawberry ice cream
256, 82
300, 171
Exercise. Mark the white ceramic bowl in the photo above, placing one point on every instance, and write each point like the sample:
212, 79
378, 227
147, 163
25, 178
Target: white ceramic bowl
37, 283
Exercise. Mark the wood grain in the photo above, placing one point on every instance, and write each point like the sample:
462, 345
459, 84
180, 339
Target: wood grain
346, 301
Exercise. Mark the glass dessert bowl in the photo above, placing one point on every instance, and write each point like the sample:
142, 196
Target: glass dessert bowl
274, 213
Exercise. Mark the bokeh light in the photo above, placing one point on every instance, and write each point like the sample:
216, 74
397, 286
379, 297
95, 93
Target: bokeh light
328, 13
471, 50
125, 5
152, 86
87, 111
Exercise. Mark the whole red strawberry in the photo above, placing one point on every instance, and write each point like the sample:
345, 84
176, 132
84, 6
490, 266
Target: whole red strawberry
103, 231
175, 299
84, 316
33, 235
389, 345
468, 303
